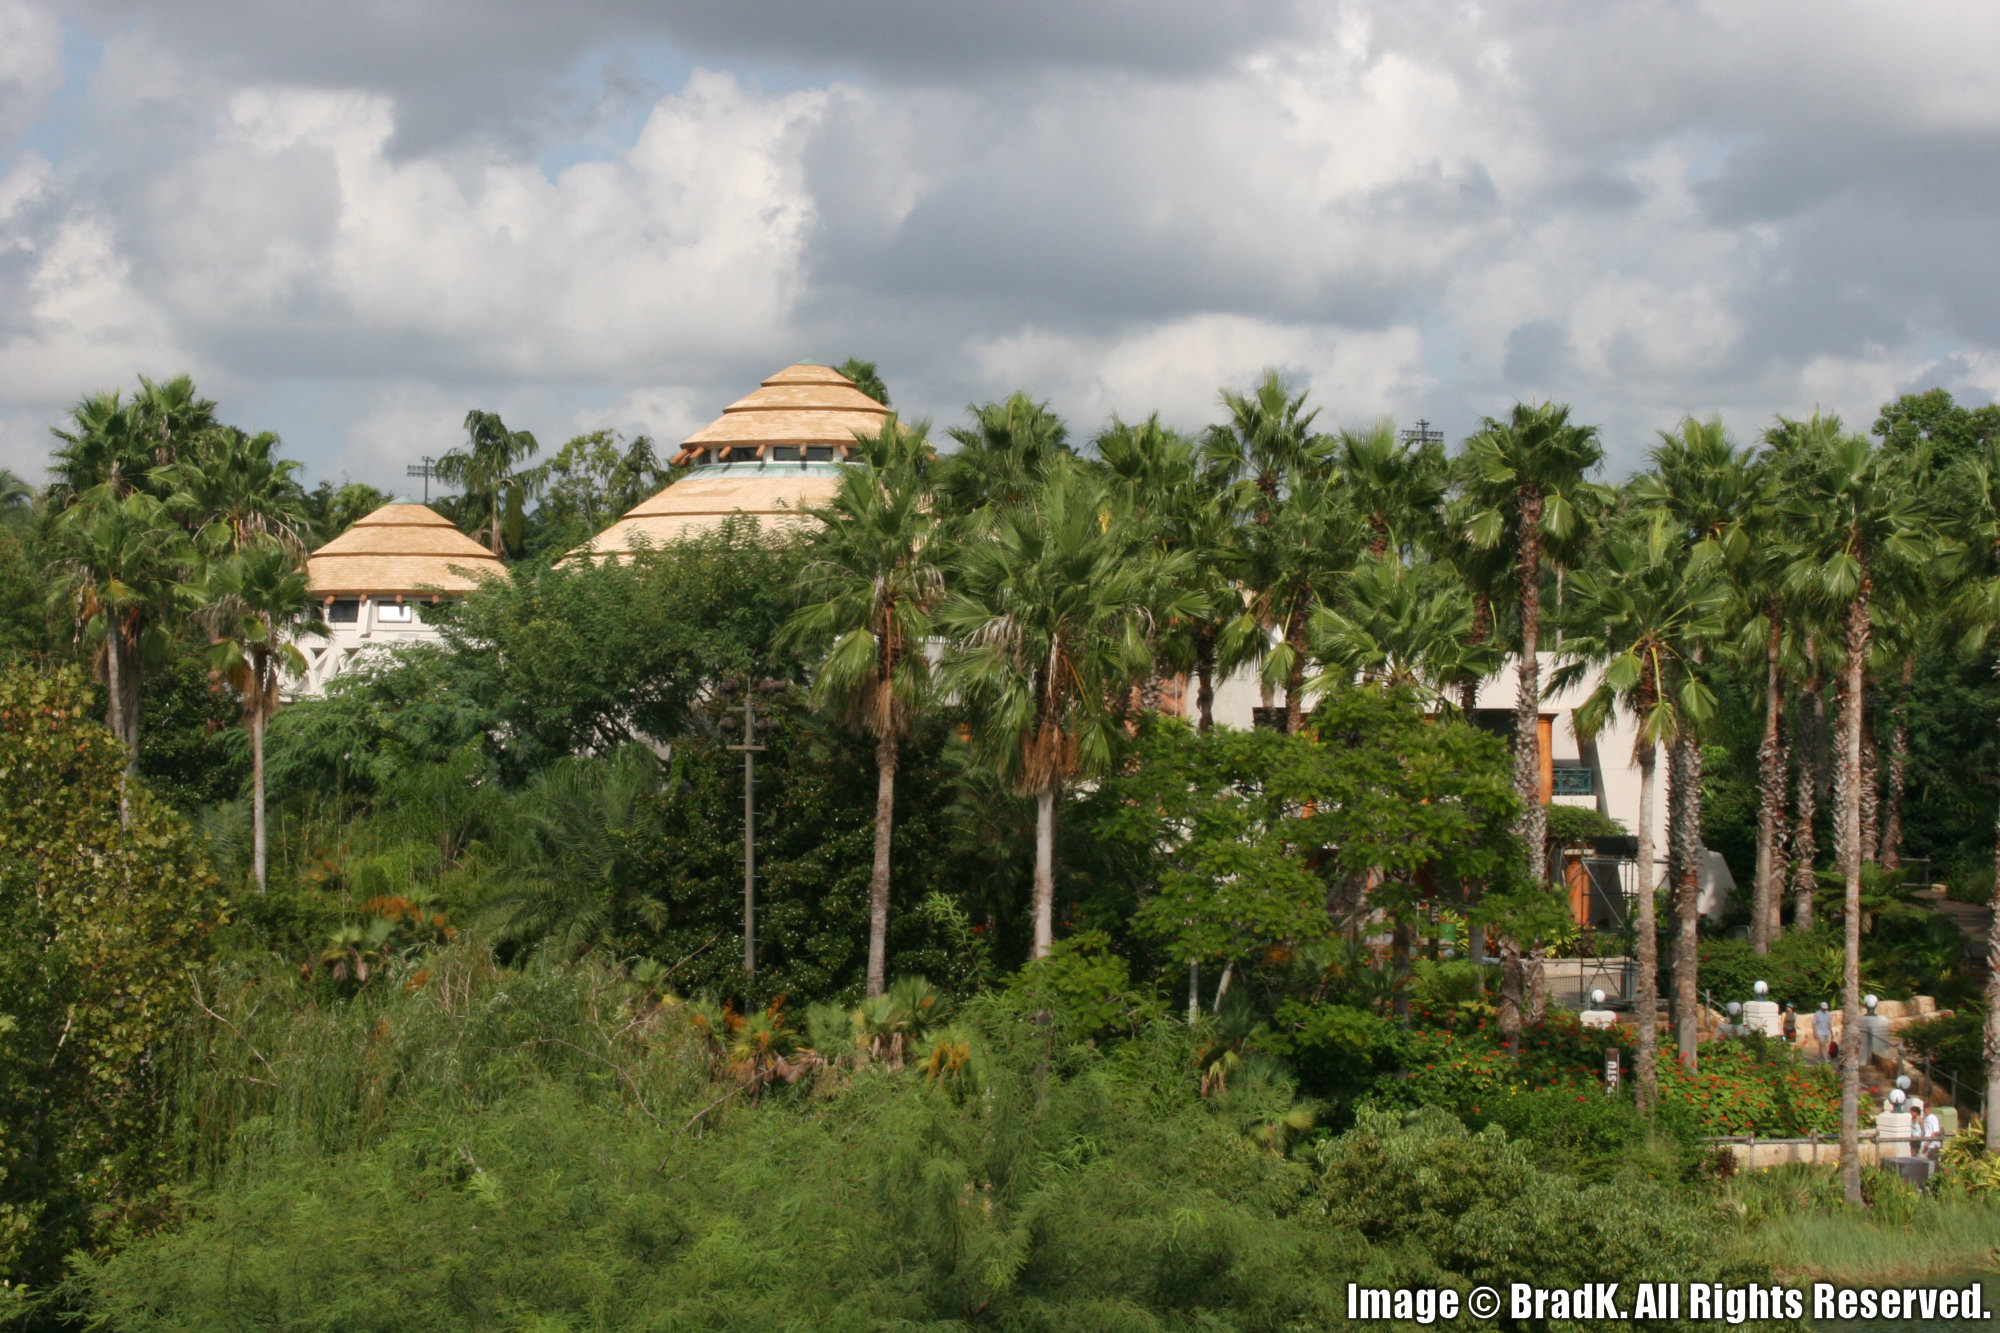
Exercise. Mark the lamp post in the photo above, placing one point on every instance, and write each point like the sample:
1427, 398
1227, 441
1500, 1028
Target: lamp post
756, 721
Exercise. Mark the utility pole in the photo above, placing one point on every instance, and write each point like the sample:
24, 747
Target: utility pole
755, 721
426, 469
1422, 434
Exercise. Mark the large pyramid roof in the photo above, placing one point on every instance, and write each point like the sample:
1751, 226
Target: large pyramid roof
769, 456
400, 550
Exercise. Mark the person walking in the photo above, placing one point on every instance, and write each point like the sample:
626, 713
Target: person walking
1791, 1025
1931, 1131
1823, 1031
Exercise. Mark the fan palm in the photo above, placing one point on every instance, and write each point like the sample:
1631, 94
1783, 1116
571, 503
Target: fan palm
580, 831
120, 563
1397, 486
1001, 456
120, 443
1632, 618
1160, 477
1707, 489
871, 581
232, 490
1047, 628
256, 604
1975, 485
1856, 522
1401, 625
489, 469
1524, 478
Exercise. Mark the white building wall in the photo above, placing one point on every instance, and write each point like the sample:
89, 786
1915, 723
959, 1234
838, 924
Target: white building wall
379, 623
1612, 756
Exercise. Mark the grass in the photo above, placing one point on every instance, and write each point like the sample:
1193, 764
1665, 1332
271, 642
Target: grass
1796, 1218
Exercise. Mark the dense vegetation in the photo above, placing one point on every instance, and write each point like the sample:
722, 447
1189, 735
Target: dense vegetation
422, 1004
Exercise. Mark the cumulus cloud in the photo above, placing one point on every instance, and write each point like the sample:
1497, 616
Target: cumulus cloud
615, 213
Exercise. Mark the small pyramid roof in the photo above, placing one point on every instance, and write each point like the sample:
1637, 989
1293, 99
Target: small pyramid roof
401, 549
800, 405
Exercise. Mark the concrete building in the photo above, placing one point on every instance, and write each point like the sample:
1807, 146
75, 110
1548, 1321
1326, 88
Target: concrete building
1600, 774
770, 456
376, 580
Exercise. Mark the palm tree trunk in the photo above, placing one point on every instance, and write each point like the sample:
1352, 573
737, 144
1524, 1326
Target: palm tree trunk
1871, 790
1848, 817
1044, 903
1805, 846
258, 843
1204, 675
878, 880
1399, 957
1533, 823
1513, 981
114, 681
1899, 768
1770, 801
1685, 835
1295, 675
1645, 930
1993, 1007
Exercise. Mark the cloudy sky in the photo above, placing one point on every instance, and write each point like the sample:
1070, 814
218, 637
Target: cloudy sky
352, 220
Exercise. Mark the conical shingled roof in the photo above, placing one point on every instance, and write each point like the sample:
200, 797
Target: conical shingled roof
401, 549
769, 456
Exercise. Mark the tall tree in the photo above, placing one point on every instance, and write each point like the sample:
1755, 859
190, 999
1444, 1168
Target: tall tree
230, 489
1857, 522
488, 468
871, 582
1975, 491
1163, 481
1396, 485
1046, 627
866, 378
1002, 455
1631, 619
1525, 477
256, 604
120, 563
1708, 490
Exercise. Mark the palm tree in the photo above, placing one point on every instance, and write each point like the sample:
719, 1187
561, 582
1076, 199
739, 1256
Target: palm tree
120, 562
257, 604
1001, 456
1707, 488
865, 378
871, 582
1856, 522
1397, 486
231, 489
121, 444
1633, 617
1525, 479
1046, 631
17, 499
1161, 479
1401, 625
1975, 484
488, 468
1296, 561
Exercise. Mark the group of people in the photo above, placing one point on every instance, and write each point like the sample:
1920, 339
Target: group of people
1928, 1132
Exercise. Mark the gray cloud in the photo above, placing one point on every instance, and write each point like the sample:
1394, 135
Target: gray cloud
368, 216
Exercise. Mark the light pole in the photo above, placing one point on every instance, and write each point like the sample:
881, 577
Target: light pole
426, 469
756, 721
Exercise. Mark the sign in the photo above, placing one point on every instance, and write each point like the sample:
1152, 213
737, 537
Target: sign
1611, 1071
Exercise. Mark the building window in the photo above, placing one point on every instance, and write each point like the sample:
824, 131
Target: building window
819, 453
782, 453
1577, 781
395, 613
343, 611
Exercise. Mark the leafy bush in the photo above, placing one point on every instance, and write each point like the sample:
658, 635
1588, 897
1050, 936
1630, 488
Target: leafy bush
1956, 1044
1478, 1208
